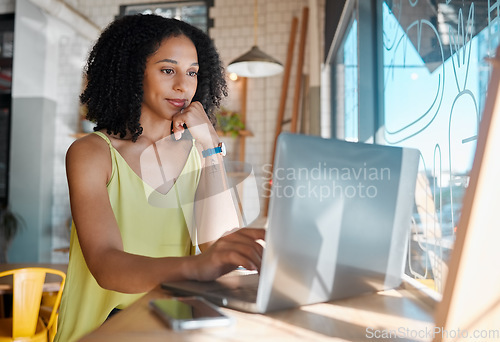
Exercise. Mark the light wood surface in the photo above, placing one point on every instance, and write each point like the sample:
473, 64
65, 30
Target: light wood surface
402, 309
243, 116
299, 74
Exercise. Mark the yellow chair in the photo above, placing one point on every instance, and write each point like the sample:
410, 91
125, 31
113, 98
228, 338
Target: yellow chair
26, 323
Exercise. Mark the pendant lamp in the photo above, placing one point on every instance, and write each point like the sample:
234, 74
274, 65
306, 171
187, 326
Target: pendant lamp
255, 63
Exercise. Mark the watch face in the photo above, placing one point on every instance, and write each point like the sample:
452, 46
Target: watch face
223, 149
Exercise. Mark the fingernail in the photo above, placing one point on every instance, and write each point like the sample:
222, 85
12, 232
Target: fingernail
177, 135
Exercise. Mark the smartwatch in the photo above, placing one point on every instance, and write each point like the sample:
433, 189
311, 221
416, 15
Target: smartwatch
221, 148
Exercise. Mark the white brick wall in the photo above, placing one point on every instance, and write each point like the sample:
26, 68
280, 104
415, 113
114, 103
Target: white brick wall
72, 54
234, 35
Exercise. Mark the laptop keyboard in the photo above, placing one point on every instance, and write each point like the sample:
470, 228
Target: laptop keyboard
247, 294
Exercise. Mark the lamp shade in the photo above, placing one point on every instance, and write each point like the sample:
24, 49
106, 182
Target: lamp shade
255, 63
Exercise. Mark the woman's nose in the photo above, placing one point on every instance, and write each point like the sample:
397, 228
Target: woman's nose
180, 82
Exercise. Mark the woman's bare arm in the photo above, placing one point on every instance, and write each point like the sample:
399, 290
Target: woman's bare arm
88, 166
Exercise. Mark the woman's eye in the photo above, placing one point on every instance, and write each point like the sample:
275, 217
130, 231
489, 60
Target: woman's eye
167, 71
192, 73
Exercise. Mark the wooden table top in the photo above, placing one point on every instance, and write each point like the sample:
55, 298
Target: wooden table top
404, 310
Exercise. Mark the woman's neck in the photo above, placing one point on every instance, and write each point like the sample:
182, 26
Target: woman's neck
155, 130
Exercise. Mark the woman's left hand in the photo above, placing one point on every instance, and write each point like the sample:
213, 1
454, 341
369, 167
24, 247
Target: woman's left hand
196, 120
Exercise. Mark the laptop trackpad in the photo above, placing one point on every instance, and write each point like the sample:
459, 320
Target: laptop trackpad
242, 287
232, 285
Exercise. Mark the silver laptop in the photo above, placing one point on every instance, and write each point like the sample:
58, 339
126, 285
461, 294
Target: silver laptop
339, 219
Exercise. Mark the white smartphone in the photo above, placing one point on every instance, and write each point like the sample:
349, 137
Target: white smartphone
186, 313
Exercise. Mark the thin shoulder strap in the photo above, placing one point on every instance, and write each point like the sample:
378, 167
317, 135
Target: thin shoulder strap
104, 136
113, 153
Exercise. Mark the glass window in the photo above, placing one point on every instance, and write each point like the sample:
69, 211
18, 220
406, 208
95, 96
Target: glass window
430, 66
435, 81
346, 71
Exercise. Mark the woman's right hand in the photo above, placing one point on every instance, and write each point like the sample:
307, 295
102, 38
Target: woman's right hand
240, 248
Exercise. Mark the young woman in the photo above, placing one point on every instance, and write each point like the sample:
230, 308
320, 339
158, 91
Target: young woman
149, 185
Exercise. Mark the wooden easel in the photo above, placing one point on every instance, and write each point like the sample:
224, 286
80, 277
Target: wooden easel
284, 90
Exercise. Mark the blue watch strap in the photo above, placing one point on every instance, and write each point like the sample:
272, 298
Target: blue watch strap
211, 151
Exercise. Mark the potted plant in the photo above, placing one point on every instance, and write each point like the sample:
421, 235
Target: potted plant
229, 122
10, 224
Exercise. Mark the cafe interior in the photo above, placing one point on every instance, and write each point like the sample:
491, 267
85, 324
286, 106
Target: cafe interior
417, 74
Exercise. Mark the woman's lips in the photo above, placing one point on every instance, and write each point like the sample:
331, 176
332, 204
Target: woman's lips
177, 102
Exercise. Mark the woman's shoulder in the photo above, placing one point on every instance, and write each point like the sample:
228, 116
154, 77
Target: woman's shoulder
89, 157
89, 142
91, 147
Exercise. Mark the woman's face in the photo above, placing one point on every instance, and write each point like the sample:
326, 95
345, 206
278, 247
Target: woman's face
170, 78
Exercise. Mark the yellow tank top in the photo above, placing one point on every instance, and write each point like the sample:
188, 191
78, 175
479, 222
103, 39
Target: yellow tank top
157, 230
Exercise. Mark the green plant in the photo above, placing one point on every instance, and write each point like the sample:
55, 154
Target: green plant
229, 122
10, 224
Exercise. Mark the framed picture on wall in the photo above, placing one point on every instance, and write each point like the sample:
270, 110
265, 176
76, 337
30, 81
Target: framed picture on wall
192, 12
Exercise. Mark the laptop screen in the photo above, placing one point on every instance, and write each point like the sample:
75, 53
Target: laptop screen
339, 217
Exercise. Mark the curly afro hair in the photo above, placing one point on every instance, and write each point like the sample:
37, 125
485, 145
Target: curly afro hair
115, 70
